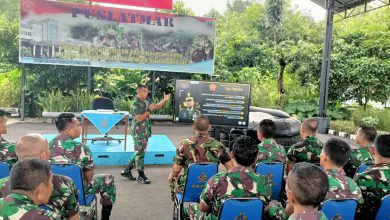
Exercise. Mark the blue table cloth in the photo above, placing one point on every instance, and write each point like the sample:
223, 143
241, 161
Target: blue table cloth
104, 120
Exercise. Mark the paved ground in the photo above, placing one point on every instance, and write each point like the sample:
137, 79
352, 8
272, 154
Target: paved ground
134, 201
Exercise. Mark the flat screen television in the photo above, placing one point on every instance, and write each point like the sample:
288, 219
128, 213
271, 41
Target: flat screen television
225, 104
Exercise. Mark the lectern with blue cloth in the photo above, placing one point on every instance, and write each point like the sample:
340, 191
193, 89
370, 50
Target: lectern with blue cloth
104, 121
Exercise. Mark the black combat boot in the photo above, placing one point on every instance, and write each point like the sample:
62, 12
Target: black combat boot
106, 212
142, 178
127, 173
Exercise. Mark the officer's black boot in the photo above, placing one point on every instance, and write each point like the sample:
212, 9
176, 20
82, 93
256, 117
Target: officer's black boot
142, 178
127, 173
106, 212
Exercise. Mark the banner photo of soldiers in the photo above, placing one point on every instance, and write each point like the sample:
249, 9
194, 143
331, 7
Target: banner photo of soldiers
223, 103
61, 33
160, 4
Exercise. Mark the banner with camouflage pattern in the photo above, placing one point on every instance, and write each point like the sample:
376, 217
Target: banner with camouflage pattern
61, 33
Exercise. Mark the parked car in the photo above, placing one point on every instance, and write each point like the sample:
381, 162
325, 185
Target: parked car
287, 127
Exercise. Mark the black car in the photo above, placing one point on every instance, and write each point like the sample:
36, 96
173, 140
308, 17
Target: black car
287, 127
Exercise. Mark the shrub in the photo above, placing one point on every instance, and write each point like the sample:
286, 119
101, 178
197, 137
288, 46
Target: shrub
345, 126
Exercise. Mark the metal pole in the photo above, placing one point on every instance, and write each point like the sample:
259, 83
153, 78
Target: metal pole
22, 91
326, 58
89, 80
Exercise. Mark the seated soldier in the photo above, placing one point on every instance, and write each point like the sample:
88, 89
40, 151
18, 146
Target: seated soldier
306, 188
239, 181
7, 150
375, 181
269, 150
333, 157
365, 137
63, 199
64, 149
200, 148
31, 186
309, 149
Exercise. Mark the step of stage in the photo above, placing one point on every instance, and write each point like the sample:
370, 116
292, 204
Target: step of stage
160, 150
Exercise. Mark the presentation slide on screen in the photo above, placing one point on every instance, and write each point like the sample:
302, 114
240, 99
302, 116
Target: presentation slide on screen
223, 103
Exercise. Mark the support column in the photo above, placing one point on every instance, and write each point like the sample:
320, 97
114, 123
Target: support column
323, 121
153, 84
89, 80
22, 92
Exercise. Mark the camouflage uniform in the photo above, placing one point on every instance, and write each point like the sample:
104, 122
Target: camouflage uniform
63, 149
141, 132
270, 151
7, 152
358, 156
200, 148
374, 183
63, 199
308, 150
316, 215
238, 182
342, 187
18, 206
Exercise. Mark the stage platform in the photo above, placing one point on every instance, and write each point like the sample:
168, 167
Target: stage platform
160, 150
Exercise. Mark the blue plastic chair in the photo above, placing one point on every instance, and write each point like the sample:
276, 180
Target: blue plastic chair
74, 172
241, 208
5, 169
197, 176
277, 171
363, 167
384, 209
336, 208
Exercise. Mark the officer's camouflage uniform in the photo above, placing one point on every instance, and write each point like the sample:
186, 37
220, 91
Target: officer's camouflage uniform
358, 156
63, 199
7, 152
374, 183
63, 149
342, 187
238, 182
17, 206
141, 132
313, 215
200, 148
270, 151
308, 150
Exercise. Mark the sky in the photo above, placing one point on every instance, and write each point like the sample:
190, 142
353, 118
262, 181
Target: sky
202, 7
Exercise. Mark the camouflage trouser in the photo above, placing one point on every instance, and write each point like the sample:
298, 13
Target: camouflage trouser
87, 212
195, 214
105, 185
177, 185
140, 143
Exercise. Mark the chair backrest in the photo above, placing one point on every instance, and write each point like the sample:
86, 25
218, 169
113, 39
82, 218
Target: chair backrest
74, 172
384, 209
277, 171
5, 169
241, 208
362, 168
197, 176
340, 208
102, 103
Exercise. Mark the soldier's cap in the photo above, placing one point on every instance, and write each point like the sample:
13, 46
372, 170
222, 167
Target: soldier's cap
189, 98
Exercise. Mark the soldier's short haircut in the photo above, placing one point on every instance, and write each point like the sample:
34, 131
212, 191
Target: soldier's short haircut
338, 151
311, 124
245, 150
27, 174
140, 86
369, 132
267, 128
201, 123
382, 145
308, 183
2, 113
30, 145
64, 120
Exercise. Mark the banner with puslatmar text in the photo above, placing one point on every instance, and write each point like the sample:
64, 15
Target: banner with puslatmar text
161, 4
61, 33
